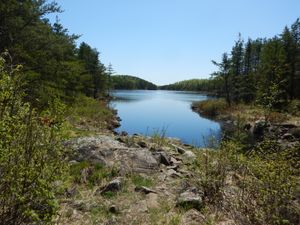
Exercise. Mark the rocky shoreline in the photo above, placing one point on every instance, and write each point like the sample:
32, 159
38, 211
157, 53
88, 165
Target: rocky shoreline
287, 134
166, 175
136, 180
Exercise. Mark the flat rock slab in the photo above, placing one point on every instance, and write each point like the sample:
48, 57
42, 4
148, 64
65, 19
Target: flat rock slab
144, 190
107, 151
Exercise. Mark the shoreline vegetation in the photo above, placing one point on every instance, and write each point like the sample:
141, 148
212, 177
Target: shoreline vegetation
62, 163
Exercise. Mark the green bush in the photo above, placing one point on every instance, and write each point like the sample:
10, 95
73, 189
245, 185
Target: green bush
211, 107
89, 112
259, 187
213, 166
294, 107
31, 155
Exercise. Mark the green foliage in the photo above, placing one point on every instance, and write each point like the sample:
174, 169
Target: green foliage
294, 107
139, 181
92, 174
53, 66
95, 71
257, 188
175, 220
86, 107
211, 107
266, 70
131, 83
31, 155
204, 85
87, 113
213, 167
159, 136
272, 187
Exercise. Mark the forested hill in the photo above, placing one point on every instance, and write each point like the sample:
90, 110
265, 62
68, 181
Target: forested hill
131, 83
190, 85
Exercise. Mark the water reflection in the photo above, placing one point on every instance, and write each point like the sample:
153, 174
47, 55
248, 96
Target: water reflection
147, 112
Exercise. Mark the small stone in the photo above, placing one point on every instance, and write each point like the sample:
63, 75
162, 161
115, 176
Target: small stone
189, 156
179, 149
71, 192
113, 186
144, 190
142, 144
190, 199
106, 153
175, 161
173, 173
287, 136
73, 162
174, 167
165, 158
80, 205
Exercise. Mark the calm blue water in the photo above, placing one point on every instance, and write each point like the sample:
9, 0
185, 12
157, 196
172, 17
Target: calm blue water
147, 112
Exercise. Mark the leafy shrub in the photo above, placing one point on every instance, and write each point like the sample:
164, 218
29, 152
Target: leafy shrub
31, 155
90, 112
257, 188
294, 107
211, 107
213, 167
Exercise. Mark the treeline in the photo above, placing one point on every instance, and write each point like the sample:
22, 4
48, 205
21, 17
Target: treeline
53, 66
204, 85
263, 70
127, 82
41, 71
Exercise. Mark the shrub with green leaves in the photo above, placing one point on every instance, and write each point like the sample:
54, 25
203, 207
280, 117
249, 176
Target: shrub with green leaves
211, 107
31, 154
257, 187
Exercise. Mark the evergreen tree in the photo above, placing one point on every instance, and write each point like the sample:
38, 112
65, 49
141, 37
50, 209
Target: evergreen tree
236, 68
95, 71
224, 73
295, 32
247, 89
273, 71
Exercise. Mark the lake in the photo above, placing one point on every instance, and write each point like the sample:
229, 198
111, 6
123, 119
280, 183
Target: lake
164, 112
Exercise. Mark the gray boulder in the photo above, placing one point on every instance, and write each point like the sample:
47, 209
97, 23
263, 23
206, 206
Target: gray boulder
189, 156
190, 199
113, 186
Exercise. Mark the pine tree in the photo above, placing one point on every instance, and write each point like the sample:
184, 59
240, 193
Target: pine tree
224, 73
236, 68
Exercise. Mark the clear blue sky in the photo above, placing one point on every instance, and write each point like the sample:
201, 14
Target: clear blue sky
164, 41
